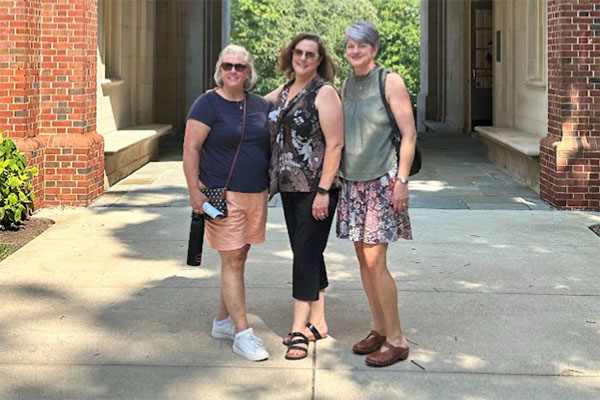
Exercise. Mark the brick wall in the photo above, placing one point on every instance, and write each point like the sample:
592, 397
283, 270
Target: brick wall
48, 95
570, 153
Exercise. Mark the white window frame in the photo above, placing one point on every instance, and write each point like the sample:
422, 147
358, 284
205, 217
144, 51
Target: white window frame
536, 42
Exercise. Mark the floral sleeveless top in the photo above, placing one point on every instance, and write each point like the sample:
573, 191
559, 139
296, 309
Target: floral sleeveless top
297, 141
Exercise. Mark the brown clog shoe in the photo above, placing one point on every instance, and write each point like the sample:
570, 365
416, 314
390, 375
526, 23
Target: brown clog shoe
391, 355
372, 342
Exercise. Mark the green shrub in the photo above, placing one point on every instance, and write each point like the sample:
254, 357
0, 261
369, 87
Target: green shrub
16, 190
5, 250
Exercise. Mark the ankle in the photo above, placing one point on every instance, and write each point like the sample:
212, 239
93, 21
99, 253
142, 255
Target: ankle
398, 341
320, 322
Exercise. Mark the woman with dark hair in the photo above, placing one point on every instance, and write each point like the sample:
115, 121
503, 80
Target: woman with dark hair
306, 143
373, 208
227, 131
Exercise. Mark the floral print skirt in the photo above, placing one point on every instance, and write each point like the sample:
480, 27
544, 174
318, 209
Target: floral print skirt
365, 212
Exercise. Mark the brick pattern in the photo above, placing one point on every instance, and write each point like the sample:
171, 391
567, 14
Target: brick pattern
74, 169
48, 95
19, 67
570, 153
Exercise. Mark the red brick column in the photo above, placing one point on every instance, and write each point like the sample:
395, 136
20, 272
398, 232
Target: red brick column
48, 95
74, 156
19, 81
570, 153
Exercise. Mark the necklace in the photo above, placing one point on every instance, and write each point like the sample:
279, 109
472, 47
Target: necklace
361, 79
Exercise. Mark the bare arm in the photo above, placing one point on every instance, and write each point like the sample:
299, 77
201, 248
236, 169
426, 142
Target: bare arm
331, 119
397, 97
195, 134
272, 97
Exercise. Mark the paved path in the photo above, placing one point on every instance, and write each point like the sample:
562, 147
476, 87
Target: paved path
498, 304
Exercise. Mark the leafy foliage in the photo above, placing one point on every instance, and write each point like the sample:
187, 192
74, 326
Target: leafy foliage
5, 250
265, 26
399, 32
16, 190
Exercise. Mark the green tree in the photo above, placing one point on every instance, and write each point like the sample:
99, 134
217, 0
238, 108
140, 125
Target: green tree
265, 26
399, 32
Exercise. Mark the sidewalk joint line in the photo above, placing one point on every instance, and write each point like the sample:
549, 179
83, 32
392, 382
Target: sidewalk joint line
314, 373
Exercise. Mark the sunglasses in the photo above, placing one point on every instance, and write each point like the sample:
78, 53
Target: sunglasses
309, 55
238, 67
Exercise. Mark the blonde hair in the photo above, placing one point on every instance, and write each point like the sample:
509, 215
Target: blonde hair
235, 49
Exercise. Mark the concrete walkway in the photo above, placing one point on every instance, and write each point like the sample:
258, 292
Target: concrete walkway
497, 303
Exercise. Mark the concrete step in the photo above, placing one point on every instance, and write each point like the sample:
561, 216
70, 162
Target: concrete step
128, 149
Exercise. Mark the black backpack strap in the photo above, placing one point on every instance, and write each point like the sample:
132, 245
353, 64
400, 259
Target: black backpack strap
396, 137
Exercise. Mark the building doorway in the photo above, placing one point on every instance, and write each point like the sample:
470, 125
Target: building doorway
481, 63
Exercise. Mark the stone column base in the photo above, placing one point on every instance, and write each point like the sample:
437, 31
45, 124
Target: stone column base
570, 172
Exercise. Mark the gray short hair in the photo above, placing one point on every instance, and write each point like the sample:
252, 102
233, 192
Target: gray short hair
235, 49
363, 32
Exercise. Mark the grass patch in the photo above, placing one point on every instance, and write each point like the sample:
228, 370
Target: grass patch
5, 250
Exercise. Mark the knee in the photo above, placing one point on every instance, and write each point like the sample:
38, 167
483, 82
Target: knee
235, 263
371, 265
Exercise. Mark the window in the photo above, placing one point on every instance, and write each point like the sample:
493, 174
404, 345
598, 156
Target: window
536, 43
109, 43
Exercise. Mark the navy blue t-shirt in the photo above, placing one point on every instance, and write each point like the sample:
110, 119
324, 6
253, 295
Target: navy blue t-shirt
224, 118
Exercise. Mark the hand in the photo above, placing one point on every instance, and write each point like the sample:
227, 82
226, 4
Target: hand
320, 206
197, 198
400, 196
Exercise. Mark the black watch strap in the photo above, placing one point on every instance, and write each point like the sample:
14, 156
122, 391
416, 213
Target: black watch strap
320, 190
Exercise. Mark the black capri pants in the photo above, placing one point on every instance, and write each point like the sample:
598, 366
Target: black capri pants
308, 239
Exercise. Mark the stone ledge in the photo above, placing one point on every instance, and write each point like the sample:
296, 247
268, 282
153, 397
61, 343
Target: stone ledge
126, 150
521, 141
439, 127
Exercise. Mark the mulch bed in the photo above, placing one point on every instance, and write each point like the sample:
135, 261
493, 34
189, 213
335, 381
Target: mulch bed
13, 239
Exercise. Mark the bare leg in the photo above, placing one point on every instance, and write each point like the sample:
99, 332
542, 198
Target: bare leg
232, 285
385, 291
317, 314
222, 307
370, 290
301, 312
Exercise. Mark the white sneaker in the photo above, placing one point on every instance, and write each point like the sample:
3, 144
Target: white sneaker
249, 346
224, 330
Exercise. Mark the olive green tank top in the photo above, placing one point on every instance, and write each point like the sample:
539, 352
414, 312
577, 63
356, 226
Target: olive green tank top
368, 150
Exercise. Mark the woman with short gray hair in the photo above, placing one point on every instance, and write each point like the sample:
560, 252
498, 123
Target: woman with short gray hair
373, 205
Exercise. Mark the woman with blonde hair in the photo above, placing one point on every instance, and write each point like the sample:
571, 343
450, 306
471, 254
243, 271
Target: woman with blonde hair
227, 145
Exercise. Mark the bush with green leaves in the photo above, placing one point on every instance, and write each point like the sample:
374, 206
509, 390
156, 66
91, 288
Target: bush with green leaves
16, 190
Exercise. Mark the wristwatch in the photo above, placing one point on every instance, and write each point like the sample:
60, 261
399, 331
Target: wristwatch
403, 181
322, 191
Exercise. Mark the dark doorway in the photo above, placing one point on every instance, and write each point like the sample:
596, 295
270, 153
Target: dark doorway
481, 63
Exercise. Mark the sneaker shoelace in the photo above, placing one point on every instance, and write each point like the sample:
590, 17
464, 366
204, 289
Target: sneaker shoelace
255, 342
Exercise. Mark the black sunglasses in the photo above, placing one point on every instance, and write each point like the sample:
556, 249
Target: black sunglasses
238, 67
308, 54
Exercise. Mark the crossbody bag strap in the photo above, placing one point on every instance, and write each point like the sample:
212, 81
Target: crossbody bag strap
239, 146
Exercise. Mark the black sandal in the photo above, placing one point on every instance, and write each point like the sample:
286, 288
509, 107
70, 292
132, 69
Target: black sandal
293, 346
315, 331
316, 335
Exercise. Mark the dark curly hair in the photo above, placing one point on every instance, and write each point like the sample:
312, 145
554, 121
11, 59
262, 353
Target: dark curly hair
326, 68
